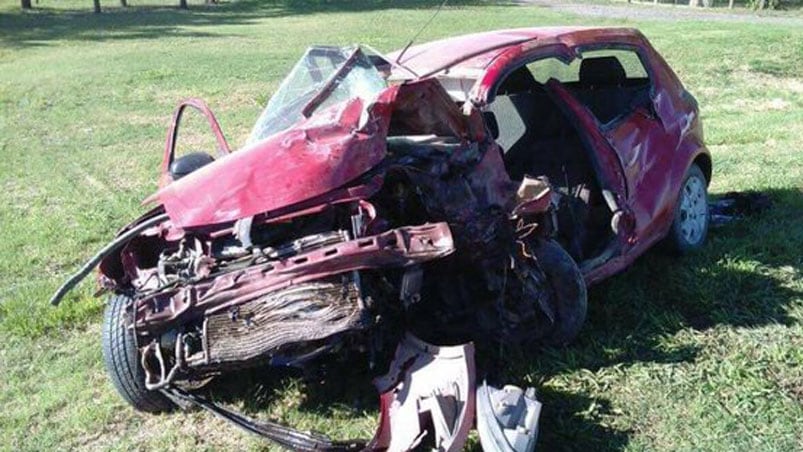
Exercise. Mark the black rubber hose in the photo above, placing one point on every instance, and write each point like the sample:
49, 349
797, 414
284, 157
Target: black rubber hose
107, 250
282, 435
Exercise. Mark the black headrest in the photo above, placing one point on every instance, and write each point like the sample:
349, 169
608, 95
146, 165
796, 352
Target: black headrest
602, 71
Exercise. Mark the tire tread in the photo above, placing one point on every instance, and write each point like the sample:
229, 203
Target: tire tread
121, 359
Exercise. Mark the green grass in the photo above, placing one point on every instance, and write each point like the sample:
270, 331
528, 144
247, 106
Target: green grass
698, 353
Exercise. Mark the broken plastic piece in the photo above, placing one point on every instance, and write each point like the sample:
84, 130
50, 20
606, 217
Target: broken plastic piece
427, 398
533, 196
507, 418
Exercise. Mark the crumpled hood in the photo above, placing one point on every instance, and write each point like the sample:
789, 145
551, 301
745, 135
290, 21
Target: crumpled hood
321, 153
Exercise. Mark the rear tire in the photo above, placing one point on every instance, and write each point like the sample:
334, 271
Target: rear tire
690, 225
121, 357
569, 297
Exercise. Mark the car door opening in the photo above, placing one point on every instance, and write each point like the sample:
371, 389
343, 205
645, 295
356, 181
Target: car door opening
537, 139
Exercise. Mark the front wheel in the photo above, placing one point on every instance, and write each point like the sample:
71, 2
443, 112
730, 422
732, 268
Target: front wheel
690, 225
121, 357
569, 299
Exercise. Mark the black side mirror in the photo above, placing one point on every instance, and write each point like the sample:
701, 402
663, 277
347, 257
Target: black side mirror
188, 163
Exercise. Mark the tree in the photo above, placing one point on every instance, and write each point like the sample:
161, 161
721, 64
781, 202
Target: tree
124, 3
182, 4
26, 4
96, 4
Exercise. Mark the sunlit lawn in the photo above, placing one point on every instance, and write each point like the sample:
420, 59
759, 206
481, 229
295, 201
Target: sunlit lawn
698, 353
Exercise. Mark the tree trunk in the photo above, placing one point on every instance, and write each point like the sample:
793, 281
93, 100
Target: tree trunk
26, 4
182, 4
96, 4
124, 3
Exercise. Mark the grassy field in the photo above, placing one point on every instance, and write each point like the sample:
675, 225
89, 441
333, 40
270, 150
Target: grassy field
699, 353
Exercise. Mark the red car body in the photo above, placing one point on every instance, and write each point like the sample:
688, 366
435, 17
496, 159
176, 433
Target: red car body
647, 154
644, 155
453, 130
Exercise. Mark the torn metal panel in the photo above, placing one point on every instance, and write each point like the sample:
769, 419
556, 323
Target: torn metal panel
425, 108
395, 248
534, 196
319, 155
331, 148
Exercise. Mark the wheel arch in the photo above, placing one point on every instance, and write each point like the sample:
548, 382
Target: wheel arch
703, 160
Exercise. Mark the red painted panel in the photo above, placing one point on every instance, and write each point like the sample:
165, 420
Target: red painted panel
324, 152
652, 154
607, 162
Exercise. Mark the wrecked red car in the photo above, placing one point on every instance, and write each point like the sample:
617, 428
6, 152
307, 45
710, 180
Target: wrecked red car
465, 191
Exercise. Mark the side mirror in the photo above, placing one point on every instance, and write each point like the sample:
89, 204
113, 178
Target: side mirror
172, 135
188, 163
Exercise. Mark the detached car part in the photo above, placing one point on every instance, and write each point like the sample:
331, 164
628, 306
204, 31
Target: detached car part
426, 402
426, 398
507, 418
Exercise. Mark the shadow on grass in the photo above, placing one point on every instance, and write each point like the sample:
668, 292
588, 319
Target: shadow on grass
330, 382
41, 25
737, 280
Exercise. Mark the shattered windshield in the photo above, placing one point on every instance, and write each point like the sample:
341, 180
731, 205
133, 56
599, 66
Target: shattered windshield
324, 76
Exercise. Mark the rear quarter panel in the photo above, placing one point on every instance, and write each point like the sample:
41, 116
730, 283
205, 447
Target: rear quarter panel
666, 160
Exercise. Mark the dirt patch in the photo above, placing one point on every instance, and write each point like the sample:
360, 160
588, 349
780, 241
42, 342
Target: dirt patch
659, 12
775, 104
755, 78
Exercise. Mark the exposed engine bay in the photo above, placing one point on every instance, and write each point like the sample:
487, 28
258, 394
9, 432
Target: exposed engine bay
286, 291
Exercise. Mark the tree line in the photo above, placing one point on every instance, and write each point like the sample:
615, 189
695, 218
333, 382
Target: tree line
26, 4
755, 4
